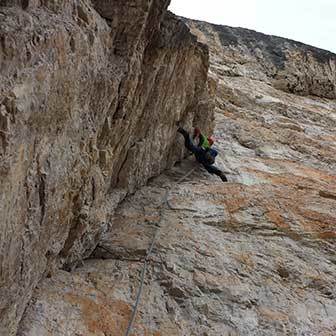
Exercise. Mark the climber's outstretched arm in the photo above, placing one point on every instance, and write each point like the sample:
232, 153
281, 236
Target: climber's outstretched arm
187, 141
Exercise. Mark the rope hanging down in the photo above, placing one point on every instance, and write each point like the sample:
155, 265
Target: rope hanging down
149, 252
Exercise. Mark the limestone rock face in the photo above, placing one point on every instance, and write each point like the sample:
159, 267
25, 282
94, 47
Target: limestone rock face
255, 256
89, 102
233, 259
285, 64
90, 94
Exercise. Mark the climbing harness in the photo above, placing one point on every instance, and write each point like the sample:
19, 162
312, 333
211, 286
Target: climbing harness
164, 204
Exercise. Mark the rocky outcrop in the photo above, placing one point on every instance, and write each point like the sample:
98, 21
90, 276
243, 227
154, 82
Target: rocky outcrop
90, 94
285, 64
244, 258
255, 256
80, 129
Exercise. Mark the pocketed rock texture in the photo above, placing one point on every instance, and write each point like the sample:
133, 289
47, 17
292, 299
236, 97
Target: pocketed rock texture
255, 256
89, 100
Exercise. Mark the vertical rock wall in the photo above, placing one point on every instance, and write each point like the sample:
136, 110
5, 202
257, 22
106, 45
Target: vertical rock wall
89, 99
255, 256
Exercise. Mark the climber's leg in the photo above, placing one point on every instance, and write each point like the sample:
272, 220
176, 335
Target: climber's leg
214, 170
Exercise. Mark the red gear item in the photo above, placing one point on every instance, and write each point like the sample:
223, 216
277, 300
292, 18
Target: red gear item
211, 140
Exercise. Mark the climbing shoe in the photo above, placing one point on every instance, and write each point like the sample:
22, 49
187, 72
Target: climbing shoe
223, 177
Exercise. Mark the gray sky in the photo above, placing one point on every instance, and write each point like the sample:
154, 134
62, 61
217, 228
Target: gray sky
309, 21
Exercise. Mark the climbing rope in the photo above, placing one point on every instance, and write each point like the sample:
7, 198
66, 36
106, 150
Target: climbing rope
149, 252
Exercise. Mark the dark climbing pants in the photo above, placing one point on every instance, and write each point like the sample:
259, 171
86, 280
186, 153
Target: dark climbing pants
200, 154
212, 169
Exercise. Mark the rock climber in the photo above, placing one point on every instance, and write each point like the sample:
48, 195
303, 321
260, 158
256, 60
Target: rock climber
203, 152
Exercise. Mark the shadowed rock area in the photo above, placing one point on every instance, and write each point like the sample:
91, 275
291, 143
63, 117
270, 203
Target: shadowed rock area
255, 256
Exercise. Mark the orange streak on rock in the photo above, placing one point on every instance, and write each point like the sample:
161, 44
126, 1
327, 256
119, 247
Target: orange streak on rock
108, 318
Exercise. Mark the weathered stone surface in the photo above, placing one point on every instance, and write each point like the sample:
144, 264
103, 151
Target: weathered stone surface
255, 256
230, 259
288, 65
88, 111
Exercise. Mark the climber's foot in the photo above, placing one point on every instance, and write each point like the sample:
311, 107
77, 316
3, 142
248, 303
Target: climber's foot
223, 177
